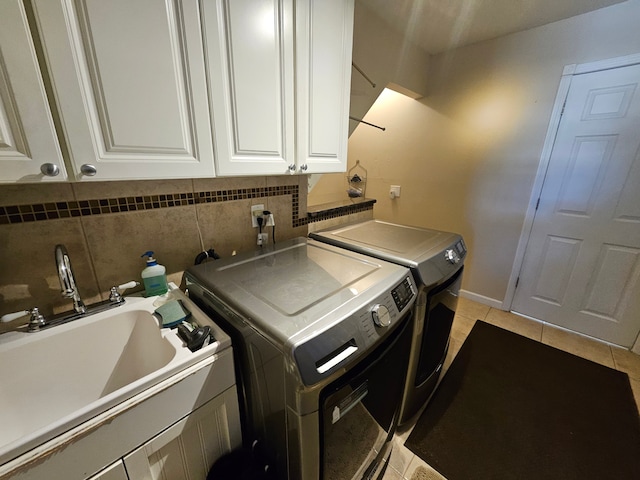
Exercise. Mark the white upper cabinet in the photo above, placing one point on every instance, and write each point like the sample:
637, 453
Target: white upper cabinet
324, 37
28, 142
129, 81
279, 73
175, 88
250, 71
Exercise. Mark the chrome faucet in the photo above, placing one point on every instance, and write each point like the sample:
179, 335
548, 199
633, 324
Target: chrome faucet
69, 288
67, 280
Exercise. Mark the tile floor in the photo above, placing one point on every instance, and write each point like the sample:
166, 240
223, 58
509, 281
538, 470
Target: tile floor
405, 465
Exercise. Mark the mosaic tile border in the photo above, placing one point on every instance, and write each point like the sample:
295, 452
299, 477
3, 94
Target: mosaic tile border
37, 212
340, 211
68, 209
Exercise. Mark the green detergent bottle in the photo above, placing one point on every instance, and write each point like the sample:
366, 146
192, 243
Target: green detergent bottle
154, 277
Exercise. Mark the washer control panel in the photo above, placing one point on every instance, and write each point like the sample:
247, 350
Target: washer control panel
456, 252
452, 256
352, 337
403, 294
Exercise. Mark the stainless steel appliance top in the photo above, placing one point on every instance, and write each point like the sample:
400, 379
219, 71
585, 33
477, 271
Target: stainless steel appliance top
432, 254
300, 288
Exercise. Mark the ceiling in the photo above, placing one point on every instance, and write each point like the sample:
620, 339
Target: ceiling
440, 25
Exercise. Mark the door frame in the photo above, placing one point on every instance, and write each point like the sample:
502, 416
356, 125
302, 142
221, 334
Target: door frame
556, 114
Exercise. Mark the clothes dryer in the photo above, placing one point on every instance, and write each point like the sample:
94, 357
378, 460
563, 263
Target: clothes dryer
436, 261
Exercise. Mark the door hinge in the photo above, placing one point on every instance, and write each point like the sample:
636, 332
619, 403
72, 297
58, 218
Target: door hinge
517, 282
538, 203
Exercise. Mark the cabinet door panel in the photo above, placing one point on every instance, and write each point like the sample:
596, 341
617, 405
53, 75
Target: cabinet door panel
189, 447
129, 78
115, 471
137, 75
27, 134
324, 37
250, 70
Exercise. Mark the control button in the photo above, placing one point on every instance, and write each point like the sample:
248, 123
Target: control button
452, 256
381, 315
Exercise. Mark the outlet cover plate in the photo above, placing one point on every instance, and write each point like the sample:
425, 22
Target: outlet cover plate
256, 211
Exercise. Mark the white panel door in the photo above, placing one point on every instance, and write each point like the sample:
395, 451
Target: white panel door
188, 448
27, 134
130, 84
324, 38
581, 268
249, 49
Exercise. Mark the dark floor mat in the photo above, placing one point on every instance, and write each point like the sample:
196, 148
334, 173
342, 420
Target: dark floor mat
513, 408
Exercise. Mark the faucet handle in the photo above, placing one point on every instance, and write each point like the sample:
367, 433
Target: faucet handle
115, 296
10, 317
128, 285
36, 320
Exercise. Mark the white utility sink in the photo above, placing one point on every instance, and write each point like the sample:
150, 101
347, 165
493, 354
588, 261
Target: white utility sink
53, 380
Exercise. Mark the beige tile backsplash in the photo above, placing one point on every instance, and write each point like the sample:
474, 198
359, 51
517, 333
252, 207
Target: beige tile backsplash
20, 194
118, 240
89, 190
28, 276
105, 249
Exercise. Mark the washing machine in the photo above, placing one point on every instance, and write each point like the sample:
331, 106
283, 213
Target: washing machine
436, 260
322, 339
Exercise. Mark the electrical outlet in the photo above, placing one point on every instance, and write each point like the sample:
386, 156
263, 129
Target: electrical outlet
262, 238
394, 191
256, 211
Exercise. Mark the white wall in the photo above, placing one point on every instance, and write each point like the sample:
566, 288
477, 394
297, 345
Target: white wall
466, 155
385, 57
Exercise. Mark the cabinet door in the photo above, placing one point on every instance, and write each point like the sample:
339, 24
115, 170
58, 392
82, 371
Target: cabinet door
27, 134
130, 85
188, 448
249, 49
324, 37
114, 471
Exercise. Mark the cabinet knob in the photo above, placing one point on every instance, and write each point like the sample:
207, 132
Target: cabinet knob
88, 170
49, 169
292, 168
303, 167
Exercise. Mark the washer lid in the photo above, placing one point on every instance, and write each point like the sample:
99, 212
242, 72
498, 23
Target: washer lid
299, 288
420, 249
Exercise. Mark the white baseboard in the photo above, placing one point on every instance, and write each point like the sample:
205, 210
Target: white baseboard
492, 302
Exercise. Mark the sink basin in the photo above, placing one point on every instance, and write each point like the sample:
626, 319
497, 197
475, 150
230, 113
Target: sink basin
54, 380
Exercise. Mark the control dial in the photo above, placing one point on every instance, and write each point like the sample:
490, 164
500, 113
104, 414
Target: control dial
452, 256
381, 315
